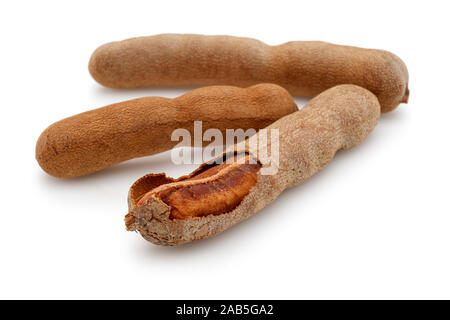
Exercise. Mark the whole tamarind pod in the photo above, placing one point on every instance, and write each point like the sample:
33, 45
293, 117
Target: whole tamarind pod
96, 139
305, 68
220, 194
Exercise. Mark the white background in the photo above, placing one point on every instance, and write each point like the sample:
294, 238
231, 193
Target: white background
374, 224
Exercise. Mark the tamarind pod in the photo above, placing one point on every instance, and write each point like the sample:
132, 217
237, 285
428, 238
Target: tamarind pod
217, 196
96, 139
305, 68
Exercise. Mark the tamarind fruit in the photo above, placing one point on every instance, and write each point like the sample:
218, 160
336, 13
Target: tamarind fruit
304, 68
218, 195
96, 139
234, 182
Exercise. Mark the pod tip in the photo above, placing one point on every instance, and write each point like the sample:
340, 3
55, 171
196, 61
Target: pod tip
405, 96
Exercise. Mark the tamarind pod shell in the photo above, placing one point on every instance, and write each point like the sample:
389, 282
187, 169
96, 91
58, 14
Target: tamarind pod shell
339, 118
305, 68
97, 139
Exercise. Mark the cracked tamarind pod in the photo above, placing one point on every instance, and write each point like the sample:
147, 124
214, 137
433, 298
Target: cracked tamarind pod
94, 140
305, 68
222, 193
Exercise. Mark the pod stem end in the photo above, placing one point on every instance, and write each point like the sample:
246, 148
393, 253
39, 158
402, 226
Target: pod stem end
405, 96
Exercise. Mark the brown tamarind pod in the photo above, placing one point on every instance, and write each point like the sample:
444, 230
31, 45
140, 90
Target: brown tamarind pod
96, 139
220, 194
305, 68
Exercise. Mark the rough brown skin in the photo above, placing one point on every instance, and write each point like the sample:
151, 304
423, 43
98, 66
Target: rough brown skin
338, 118
94, 140
305, 68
